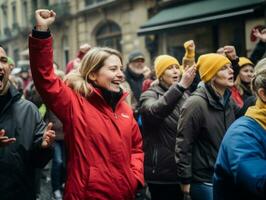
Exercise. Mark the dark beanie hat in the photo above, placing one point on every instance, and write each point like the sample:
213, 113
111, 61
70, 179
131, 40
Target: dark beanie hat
135, 55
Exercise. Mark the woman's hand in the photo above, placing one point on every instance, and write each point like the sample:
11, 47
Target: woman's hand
44, 18
188, 76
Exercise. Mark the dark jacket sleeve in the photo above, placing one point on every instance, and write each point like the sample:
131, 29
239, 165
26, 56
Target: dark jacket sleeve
236, 67
39, 156
258, 52
160, 107
187, 132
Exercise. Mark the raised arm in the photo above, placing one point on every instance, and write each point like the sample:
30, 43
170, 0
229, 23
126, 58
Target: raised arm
54, 92
159, 108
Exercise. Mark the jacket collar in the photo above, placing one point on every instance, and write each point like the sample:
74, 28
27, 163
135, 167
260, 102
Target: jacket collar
208, 93
158, 88
98, 98
133, 75
14, 95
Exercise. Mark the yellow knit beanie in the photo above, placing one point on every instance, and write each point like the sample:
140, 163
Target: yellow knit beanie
162, 62
244, 61
209, 64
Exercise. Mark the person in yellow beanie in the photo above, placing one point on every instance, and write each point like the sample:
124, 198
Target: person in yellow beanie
240, 167
205, 117
160, 111
242, 88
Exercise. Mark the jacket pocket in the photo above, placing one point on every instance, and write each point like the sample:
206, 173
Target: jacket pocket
99, 184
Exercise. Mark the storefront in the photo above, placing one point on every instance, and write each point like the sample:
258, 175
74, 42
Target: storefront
210, 23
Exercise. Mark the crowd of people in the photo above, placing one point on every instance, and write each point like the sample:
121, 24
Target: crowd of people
194, 129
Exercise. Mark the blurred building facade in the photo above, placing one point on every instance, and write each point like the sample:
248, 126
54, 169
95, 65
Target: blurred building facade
152, 26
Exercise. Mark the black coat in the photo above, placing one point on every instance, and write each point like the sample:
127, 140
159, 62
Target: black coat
202, 125
21, 119
160, 110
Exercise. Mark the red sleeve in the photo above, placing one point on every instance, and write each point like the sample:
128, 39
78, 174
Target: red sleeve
137, 155
55, 94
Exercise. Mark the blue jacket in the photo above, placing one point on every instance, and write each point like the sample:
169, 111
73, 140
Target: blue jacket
240, 170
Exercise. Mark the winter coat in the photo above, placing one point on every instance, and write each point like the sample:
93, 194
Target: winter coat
240, 167
160, 112
202, 125
21, 119
104, 147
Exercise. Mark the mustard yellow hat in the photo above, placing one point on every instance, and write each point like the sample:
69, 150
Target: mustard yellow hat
244, 61
162, 62
209, 64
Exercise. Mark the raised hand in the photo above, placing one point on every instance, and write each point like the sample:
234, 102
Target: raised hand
44, 18
190, 49
188, 76
230, 52
48, 136
85, 48
260, 35
4, 140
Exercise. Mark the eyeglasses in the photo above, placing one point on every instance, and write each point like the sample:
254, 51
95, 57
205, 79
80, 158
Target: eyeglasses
3, 59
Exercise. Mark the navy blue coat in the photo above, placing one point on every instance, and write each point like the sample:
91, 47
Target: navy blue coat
240, 170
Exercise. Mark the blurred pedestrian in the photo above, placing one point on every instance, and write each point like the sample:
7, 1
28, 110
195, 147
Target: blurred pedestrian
240, 167
103, 141
135, 77
204, 119
241, 90
160, 110
75, 63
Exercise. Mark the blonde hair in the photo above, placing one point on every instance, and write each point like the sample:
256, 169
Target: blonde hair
261, 65
259, 81
92, 62
238, 85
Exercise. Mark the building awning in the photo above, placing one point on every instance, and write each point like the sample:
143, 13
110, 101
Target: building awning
197, 12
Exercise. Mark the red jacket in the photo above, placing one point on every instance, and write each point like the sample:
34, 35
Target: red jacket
104, 148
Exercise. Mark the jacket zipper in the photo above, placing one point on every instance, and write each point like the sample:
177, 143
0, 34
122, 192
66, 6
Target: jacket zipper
154, 160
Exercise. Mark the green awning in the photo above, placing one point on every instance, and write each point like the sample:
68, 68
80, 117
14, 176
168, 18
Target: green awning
197, 12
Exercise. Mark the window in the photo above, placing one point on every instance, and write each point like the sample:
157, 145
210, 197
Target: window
25, 13
16, 56
14, 13
109, 35
4, 15
65, 49
34, 5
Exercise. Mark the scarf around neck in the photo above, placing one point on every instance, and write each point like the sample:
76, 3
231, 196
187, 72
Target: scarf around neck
258, 113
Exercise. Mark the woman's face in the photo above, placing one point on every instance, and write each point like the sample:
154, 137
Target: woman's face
246, 73
171, 75
110, 76
224, 77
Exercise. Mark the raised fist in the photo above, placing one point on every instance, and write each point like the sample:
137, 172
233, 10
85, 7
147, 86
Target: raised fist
230, 52
44, 18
